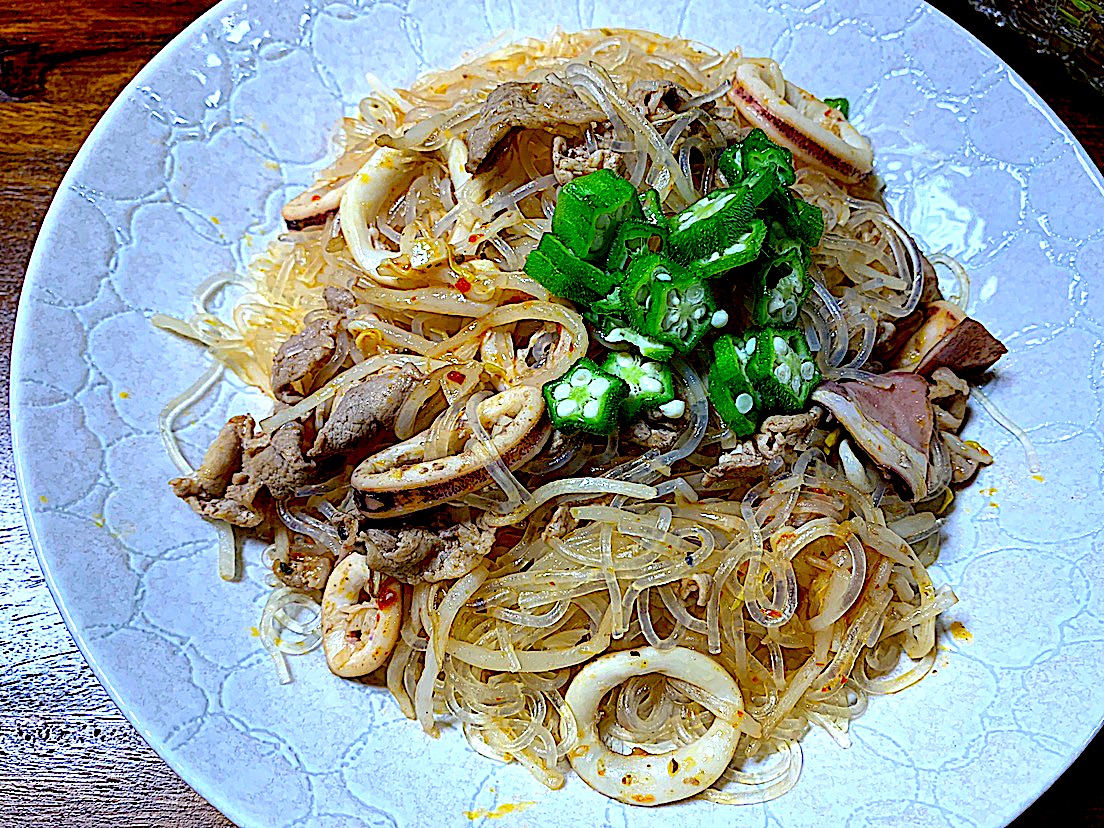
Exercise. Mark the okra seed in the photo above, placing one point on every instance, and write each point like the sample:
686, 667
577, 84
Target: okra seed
624, 360
565, 408
780, 346
581, 378
651, 385
598, 386
719, 319
650, 368
673, 299
782, 372
695, 293
749, 346
673, 409
795, 384
744, 403
775, 304
806, 371
561, 392
590, 410
789, 311
671, 318
700, 312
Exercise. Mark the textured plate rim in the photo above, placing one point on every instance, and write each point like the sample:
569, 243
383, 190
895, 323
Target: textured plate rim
210, 789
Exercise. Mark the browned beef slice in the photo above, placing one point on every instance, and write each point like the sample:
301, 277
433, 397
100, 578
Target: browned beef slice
301, 355
239, 466
338, 299
279, 464
657, 99
205, 490
426, 553
513, 106
364, 409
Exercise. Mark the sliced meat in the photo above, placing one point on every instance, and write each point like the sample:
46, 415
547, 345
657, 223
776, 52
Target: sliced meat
650, 436
301, 571
948, 394
560, 524
223, 457
930, 291
731, 129
458, 551
413, 554
512, 105
338, 299
778, 435
242, 466
205, 489
892, 336
947, 338
301, 355
363, 411
277, 463
930, 324
658, 99
741, 463
571, 160
892, 424
967, 349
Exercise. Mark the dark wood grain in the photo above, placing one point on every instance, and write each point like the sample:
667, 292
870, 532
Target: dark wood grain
67, 757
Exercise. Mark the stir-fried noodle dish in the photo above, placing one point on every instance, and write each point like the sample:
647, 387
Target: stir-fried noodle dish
615, 420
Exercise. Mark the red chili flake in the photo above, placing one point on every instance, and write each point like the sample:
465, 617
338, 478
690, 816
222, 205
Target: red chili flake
535, 88
387, 597
463, 285
455, 376
473, 238
316, 197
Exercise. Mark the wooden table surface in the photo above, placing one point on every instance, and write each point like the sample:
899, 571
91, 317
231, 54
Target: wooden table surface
67, 756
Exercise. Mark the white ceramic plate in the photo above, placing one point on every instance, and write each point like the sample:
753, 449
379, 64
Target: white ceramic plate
202, 149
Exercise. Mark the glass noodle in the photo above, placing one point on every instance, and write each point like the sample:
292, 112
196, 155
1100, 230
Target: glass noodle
801, 580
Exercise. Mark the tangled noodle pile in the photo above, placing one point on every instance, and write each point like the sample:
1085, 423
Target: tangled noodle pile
794, 561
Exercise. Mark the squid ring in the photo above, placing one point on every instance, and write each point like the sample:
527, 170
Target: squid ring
400, 480
664, 777
353, 648
384, 173
790, 116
